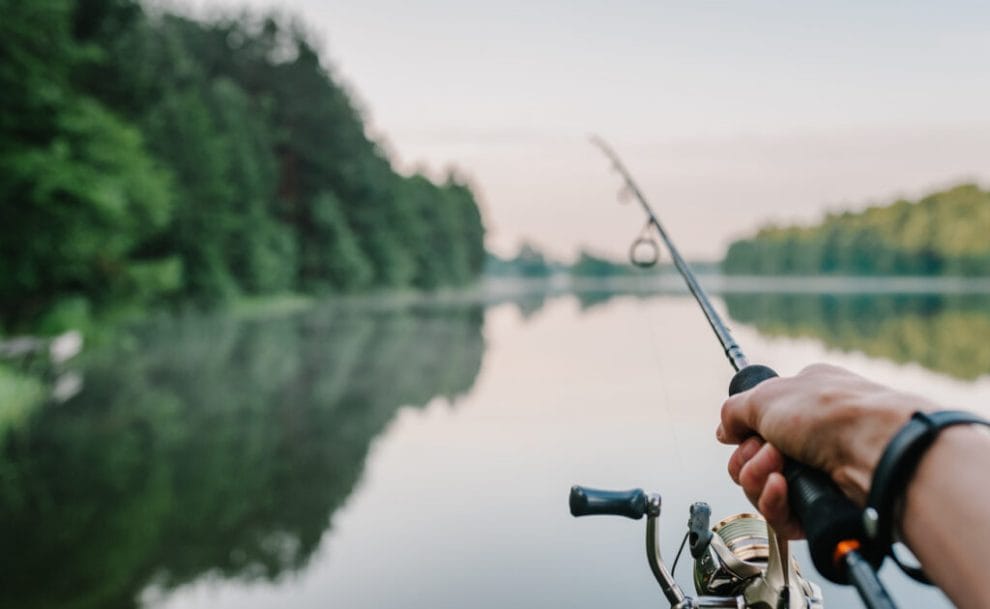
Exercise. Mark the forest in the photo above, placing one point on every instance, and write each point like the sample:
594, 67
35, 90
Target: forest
944, 233
152, 159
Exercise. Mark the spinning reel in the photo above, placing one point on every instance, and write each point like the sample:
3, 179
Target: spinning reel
738, 564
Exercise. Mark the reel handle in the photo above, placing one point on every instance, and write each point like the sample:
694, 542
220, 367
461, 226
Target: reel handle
827, 515
589, 502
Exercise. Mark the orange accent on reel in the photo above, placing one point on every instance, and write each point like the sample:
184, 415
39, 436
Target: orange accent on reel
843, 548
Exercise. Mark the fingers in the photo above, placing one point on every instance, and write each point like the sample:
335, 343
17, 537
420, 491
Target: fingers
736, 420
753, 475
741, 413
743, 453
758, 468
802, 415
775, 508
762, 409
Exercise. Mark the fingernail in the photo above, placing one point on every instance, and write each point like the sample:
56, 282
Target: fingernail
720, 433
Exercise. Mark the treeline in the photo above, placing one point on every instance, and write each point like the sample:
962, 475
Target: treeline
531, 262
944, 233
154, 157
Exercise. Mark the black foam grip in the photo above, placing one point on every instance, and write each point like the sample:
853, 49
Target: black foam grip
750, 377
828, 516
590, 502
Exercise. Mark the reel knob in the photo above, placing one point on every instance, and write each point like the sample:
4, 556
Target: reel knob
590, 502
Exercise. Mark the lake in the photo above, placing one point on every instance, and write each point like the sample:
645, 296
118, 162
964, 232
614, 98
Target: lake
415, 454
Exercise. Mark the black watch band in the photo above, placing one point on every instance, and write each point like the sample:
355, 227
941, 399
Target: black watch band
894, 471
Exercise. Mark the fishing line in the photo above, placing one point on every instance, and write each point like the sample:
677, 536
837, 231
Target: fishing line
646, 244
651, 322
680, 549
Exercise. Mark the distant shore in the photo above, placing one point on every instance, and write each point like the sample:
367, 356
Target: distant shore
741, 284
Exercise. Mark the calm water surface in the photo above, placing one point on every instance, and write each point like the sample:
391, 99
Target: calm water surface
419, 455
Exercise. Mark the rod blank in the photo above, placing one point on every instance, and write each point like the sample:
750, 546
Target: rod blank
732, 350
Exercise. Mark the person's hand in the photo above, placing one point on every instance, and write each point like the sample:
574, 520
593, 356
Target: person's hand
826, 417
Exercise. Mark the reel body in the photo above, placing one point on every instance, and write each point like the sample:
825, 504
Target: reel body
745, 553
739, 563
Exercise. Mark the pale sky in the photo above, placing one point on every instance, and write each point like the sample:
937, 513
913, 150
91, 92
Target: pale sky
730, 114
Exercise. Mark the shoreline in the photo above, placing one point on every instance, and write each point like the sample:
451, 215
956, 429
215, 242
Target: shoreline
742, 284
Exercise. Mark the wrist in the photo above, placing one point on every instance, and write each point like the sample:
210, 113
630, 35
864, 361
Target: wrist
954, 446
944, 516
870, 430
904, 465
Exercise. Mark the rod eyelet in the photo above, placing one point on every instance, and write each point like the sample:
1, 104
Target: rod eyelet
641, 246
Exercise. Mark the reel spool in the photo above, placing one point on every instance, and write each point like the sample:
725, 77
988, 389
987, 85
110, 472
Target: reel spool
739, 551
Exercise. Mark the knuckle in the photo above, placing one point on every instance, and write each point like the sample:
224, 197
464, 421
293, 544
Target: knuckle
843, 476
816, 368
824, 395
733, 469
831, 396
775, 460
728, 413
724, 412
809, 369
746, 478
758, 394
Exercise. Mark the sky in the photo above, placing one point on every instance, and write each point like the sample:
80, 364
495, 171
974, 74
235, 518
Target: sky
731, 115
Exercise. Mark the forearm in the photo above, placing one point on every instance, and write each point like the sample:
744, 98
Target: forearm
946, 518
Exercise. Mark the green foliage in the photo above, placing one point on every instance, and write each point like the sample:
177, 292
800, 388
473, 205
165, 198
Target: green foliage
590, 265
80, 194
331, 256
443, 231
942, 234
20, 393
156, 157
529, 262
68, 313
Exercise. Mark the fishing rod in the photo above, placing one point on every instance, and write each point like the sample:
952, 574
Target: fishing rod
741, 562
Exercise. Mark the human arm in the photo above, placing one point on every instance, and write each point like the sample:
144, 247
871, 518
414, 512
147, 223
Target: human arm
840, 423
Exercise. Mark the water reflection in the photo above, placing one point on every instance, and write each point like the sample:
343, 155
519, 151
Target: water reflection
947, 333
213, 446
205, 459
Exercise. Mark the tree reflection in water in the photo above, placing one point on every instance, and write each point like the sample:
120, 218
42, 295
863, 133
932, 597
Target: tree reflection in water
209, 445
947, 333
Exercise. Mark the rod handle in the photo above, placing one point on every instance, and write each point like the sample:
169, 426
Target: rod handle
827, 515
590, 502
